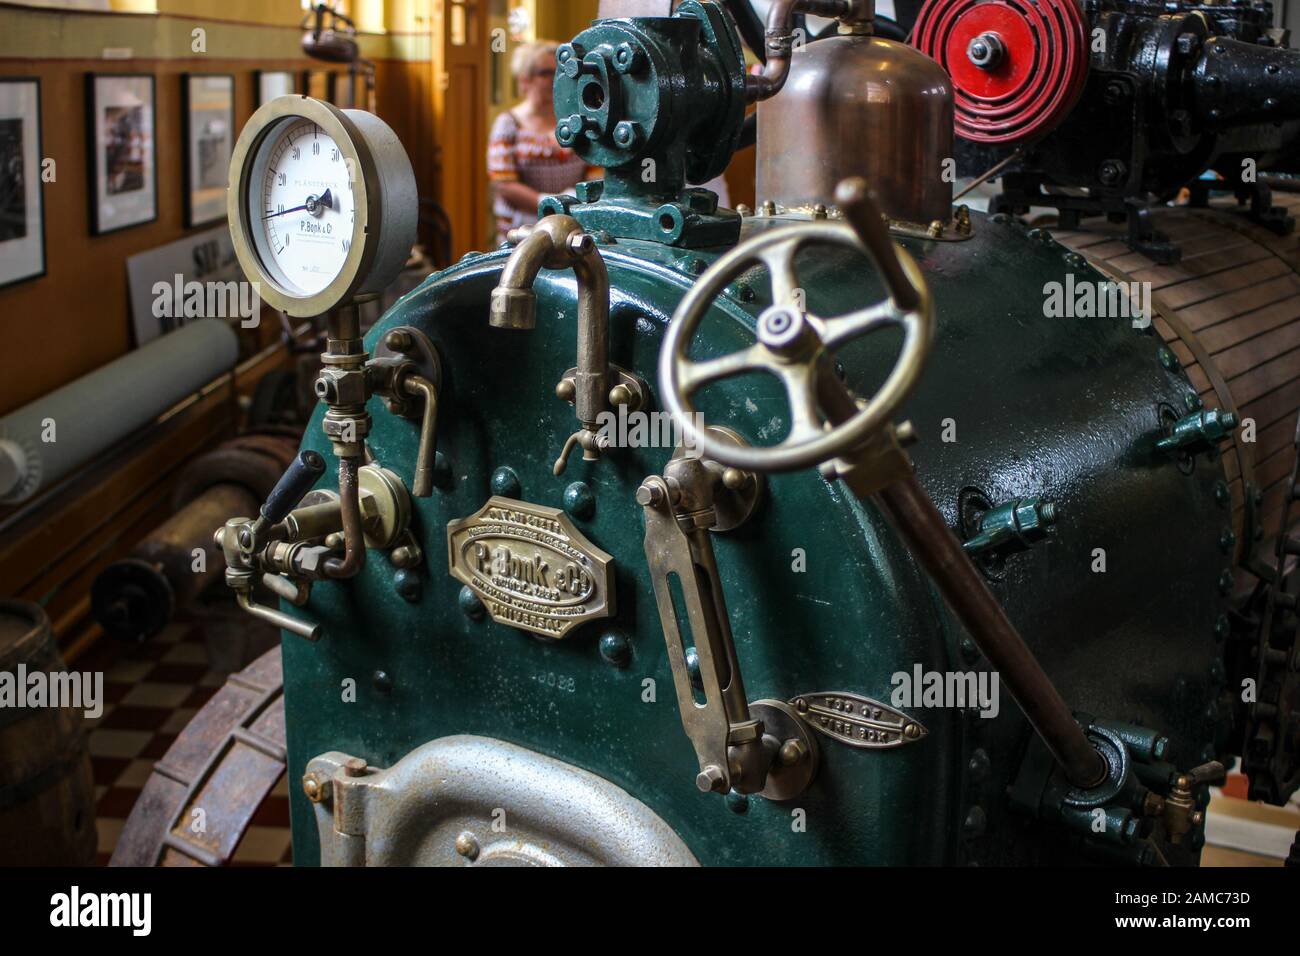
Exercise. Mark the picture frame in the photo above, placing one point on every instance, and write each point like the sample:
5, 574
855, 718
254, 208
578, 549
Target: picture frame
208, 132
272, 83
22, 200
121, 119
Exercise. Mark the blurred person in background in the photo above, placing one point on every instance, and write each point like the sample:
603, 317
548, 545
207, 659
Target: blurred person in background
525, 162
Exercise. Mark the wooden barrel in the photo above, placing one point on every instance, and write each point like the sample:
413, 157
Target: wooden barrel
47, 792
1230, 312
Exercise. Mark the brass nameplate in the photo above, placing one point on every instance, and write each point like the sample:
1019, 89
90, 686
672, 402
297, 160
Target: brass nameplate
858, 721
531, 567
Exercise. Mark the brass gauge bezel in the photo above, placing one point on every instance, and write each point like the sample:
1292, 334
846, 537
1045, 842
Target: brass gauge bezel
363, 174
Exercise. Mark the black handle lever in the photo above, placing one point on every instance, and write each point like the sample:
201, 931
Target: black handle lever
293, 484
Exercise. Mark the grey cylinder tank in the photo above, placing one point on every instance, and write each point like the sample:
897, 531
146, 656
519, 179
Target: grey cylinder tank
89, 415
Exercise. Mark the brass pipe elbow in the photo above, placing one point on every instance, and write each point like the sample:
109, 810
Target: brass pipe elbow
558, 242
354, 555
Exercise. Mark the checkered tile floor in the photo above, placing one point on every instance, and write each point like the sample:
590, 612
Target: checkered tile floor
150, 693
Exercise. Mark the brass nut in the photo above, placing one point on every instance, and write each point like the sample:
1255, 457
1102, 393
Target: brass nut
582, 244
346, 428
566, 390
710, 779
649, 495
340, 386
792, 752
316, 789
620, 395
399, 340
734, 479
467, 846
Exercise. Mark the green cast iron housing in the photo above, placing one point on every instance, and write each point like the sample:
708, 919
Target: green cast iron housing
658, 102
1065, 410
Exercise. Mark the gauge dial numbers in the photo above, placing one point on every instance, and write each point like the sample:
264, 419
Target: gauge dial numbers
304, 208
322, 204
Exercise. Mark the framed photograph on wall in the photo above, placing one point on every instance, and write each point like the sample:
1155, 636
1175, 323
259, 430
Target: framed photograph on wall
123, 160
273, 83
22, 210
208, 128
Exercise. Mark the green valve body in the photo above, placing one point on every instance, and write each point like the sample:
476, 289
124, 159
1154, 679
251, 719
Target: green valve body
659, 103
1199, 430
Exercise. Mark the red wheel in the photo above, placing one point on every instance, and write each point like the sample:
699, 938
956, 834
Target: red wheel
1017, 66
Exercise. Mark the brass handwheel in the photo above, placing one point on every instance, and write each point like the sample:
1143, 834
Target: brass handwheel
796, 345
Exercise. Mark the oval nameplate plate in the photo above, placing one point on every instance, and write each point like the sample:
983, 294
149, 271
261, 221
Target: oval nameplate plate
858, 721
531, 567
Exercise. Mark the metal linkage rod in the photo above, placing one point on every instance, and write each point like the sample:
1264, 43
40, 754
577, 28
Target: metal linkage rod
933, 544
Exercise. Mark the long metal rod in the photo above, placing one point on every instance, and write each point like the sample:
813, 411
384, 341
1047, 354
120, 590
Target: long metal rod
933, 544
278, 618
989, 173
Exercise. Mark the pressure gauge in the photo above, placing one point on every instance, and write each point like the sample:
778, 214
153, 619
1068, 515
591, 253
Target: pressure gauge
322, 204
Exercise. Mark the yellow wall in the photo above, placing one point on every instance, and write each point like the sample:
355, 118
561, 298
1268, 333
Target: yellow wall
561, 19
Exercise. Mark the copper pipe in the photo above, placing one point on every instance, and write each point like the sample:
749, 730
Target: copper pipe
780, 39
592, 392
514, 303
989, 173
933, 544
558, 242
354, 557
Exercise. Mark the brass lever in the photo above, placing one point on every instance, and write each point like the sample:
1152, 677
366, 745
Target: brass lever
727, 740
417, 386
407, 373
732, 746
590, 449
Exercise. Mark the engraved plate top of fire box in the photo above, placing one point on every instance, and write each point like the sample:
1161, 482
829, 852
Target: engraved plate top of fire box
531, 567
858, 721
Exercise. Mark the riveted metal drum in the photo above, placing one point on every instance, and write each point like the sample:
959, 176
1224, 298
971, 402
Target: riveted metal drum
1229, 311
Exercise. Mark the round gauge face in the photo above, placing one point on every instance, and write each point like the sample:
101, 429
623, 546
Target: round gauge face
301, 208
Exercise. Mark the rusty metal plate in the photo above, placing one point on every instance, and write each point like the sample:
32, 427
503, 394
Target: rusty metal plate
858, 721
531, 567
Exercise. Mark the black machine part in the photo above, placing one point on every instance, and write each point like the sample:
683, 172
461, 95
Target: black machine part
1172, 90
136, 597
